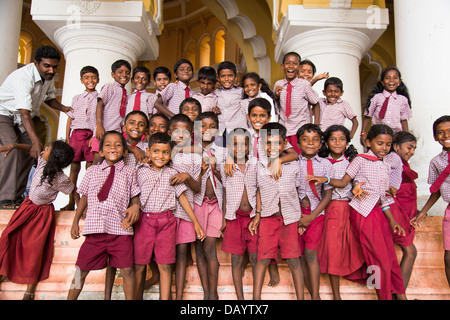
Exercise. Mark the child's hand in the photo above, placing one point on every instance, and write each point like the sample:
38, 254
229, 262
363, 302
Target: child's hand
216, 110
319, 180
199, 232
275, 169
301, 229
392, 191
253, 225
418, 219
99, 132
305, 220
131, 216
224, 225
397, 228
229, 166
6, 148
139, 155
75, 231
321, 76
205, 167
179, 178
277, 91
359, 192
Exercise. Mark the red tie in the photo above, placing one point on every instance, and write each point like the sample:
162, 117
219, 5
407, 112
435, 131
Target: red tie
333, 161
384, 108
137, 101
123, 103
209, 153
408, 175
104, 191
368, 157
288, 99
255, 147
187, 93
310, 171
444, 174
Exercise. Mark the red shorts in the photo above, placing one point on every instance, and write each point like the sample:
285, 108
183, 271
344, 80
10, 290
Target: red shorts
98, 248
155, 233
95, 145
311, 237
274, 236
185, 231
237, 237
79, 141
209, 216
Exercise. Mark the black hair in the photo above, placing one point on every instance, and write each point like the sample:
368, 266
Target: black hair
350, 152
179, 63
208, 115
403, 136
292, 53
120, 63
139, 112
191, 100
264, 86
160, 137
159, 115
379, 88
309, 62
46, 52
162, 70
181, 118
88, 69
309, 127
442, 119
224, 65
378, 129
107, 133
143, 69
208, 73
333, 81
238, 132
273, 128
61, 155
260, 102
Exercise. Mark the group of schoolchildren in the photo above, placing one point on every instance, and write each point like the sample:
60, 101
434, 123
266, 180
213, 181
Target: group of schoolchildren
175, 168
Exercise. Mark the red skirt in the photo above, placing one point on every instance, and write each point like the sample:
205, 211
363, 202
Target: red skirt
26, 244
339, 252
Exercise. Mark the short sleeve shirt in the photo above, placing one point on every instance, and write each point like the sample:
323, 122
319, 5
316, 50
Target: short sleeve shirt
437, 165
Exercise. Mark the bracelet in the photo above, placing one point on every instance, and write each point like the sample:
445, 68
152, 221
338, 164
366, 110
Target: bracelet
385, 208
328, 180
362, 133
258, 212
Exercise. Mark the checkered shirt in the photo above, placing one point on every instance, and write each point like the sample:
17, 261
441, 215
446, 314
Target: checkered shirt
191, 163
397, 110
235, 185
376, 175
129, 158
84, 107
339, 169
207, 102
173, 95
232, 115
302, 96
111, 95
106, 216
437, 165
396, 164
147, 102
334, 113
321, 167
256, 138
45, 193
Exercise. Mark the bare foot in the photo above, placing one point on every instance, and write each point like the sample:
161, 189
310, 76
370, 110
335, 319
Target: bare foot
274, 275
28, 296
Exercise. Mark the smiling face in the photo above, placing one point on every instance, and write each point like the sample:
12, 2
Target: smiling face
442, 135
113, 149
140, 81
406, 149
159, 155
121, 75
274, 146
191, 110
157, 124
90, 81
332, 93
306, 72
258, 117
290, 67
180, 133
161, 81
251, 87
240, 147
227, 78
47, 68
309, 143
209, 130
380, 145
391, 81
184, 73
337, 143
135, 127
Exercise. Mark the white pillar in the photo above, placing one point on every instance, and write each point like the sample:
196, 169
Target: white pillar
422, 31
10, 22
335, 40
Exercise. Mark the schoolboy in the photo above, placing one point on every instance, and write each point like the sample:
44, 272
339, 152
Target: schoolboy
157, 123
237, 206
191, 107
140, 99
80, 126
161, 78
277, 211
439, 178
334, 110
155, 231
110, 194
309, 138
208, 205
188, 164
135, 127
295, 95
207, 78
111, 104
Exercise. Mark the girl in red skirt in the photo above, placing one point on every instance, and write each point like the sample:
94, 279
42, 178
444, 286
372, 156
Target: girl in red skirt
26, 244
339, 252
370, 215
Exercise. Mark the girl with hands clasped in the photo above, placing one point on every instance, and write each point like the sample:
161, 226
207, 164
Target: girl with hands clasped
370, 214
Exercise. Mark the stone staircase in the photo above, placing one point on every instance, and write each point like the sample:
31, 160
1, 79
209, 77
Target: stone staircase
428, 281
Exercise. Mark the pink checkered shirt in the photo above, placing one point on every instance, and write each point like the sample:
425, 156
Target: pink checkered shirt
173, 95
396, 164
232, 115
234, 187
278, 194
376, 174
339, 169
261, 151
302, 96
111, 95
45, 193
147, 102
437, 165
84, 106
321, 167
157, 195
220, 153
184, 162
106, 216
208, 102
334, 113
129, 158
397, 110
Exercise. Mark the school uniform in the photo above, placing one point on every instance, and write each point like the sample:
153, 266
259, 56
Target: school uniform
237, 238
334, 113
106, 240
129, 159
257, 147
280, 211
141, 100
232, 115
83, 125
339, 252
370, 225
27, 242
208, 102
174, 94
398, 109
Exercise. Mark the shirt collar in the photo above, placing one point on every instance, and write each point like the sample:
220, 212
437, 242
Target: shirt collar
36, 75
388, 94
316, 158
119, 165
85, 93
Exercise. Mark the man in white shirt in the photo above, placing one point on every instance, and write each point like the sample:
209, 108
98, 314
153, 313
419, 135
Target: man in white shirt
21, 96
